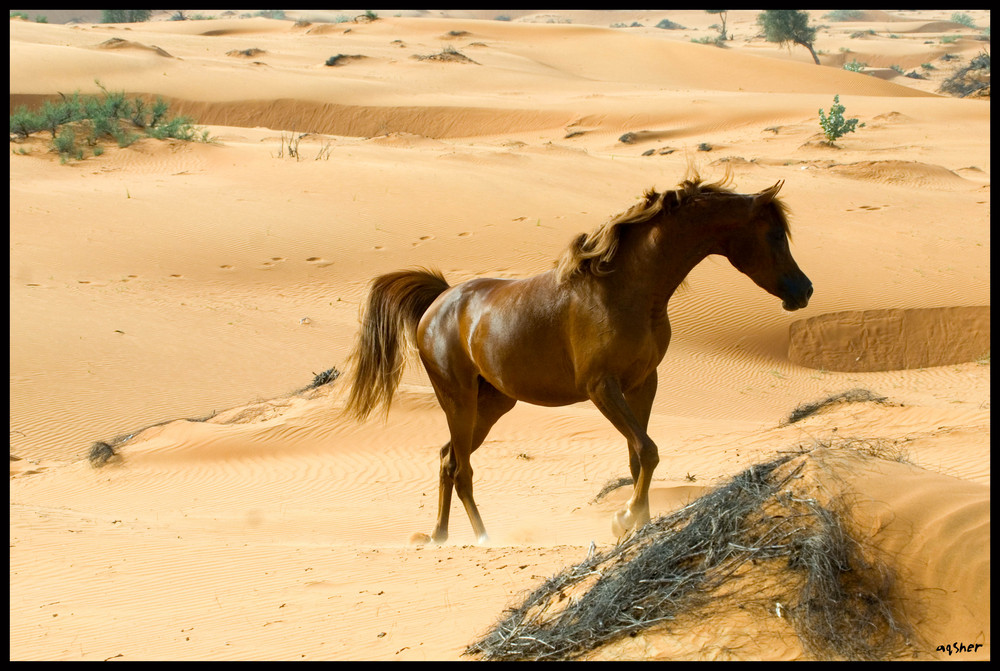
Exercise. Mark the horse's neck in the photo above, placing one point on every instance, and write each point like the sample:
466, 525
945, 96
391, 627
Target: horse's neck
652, 267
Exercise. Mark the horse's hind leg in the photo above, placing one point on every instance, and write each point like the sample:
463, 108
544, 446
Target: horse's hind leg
456, 467
447, 482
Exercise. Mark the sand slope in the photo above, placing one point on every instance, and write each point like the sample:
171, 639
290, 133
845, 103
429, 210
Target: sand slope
173, 280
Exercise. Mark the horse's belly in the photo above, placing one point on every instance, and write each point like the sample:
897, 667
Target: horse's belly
538, 392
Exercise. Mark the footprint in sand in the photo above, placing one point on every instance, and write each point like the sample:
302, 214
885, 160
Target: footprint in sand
177, 277
319, 261
268, 265
423, 239
226, 267
378, 248
464, 234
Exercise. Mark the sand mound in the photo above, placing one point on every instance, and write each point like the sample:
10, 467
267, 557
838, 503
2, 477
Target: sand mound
119, 43
876, 15
796, 550
892, 339
446, 55
930, 27
904, 173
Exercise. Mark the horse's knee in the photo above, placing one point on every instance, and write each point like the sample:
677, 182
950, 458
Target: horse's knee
447, 463
648, 455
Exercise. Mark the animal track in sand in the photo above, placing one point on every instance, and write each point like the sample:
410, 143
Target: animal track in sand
226, 267
319, 261
268, 265
423, 239
378, 248
870, 208
177, 277
464, 234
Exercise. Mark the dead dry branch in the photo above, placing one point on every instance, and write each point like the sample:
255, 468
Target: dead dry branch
752, 543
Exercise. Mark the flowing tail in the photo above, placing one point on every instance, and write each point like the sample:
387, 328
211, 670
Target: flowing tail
395, 304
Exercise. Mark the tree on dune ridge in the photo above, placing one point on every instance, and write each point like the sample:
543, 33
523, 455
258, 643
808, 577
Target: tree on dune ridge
788, 25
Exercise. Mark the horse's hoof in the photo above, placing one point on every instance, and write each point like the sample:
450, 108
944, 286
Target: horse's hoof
483, 540
419, 539
619, 524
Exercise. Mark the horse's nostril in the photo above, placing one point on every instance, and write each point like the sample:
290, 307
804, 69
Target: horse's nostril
809, 291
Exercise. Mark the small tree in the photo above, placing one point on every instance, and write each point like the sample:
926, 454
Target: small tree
835, 125
125, 15
722, 14
788, 25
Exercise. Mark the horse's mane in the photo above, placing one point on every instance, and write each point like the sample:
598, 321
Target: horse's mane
592, 252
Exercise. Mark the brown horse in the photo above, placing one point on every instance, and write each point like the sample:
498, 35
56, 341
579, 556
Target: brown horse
594, 327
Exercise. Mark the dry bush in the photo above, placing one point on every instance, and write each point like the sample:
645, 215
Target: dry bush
856, 395
755, 542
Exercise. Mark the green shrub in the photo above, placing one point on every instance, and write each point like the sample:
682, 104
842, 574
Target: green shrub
717, 40
112, 115
855, 66
844, 15
123, 136
125, 15
835, 125
65, 142
964, 19
667, 24
24, 122
179, 128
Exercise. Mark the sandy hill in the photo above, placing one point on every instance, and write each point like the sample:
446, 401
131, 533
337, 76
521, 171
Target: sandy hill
168, 280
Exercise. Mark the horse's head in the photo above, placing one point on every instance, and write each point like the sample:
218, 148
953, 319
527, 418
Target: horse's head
758, 248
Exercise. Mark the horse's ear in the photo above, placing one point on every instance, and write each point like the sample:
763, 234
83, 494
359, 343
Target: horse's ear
767, 195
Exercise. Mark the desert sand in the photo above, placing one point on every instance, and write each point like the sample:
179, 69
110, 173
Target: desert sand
172, 280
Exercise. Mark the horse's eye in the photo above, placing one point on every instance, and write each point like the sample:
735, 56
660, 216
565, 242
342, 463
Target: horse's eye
775, 235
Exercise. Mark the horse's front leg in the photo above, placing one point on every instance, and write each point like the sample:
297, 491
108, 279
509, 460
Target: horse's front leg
631, 420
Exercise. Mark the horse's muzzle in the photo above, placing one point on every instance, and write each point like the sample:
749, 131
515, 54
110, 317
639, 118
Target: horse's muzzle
797, 293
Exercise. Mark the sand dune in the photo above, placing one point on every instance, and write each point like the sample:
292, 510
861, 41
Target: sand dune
169, 297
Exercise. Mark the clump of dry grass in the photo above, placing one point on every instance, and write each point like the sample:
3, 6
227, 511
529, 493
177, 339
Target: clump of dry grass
751, 544
104, 452
888, 449
246, 53
449, 55
856, 395
610, 486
